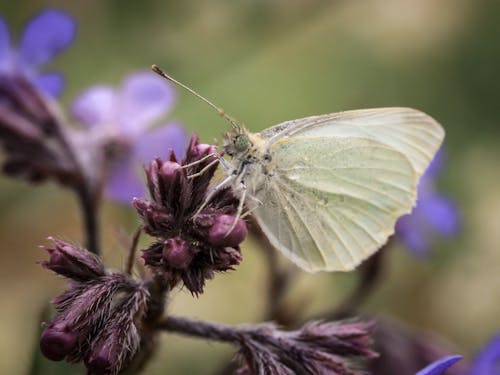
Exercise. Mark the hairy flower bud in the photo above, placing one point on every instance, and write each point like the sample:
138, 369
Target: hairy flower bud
73, 262
219, 234
177, 253
58, 341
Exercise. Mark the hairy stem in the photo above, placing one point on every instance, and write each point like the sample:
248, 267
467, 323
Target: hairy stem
202, 329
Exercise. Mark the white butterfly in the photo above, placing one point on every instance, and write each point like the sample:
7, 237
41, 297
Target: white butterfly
327, 190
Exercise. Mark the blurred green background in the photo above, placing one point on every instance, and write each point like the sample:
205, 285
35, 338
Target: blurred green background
266, 61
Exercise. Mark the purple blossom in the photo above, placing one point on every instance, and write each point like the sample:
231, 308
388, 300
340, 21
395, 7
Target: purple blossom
440, 366
487, 361
190, 245
120, 121
435, 215
45, 36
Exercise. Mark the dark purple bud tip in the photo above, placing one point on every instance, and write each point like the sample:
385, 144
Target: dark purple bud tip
177, 253
100, 362
169, 169
203, 149
57, 343
219, 234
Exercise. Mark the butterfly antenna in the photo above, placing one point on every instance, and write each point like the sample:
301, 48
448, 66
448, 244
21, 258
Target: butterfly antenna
219, 110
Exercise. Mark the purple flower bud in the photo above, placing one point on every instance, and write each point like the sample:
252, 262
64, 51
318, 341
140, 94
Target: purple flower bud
101, 362
57, 342
177, 253
73, 262
169, 169
219, 236
203, 149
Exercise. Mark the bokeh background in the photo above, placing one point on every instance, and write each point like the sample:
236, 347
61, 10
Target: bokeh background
266, 61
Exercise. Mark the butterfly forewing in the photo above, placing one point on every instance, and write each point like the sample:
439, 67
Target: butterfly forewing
339, 182
413, 133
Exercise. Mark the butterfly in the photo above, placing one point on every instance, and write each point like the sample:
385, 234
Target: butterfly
327, 190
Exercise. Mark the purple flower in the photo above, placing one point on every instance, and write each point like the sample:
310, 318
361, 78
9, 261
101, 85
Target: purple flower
121, 121
45, 36
190, 245
440, 366
487, 361
435, 215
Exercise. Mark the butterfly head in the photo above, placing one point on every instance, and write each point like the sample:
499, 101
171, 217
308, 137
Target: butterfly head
236, 141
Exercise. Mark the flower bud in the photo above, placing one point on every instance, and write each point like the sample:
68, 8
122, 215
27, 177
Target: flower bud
73, 262
219, 236
57, 342
169, 169
203, 149
101, 361
177, 253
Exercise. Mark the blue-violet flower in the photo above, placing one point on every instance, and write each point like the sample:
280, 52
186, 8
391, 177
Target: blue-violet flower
435, 215
45, 36
120, 121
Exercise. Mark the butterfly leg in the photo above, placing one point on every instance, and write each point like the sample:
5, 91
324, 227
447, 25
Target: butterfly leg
206, 168
248, 212
212, 192
216, 154
239, 210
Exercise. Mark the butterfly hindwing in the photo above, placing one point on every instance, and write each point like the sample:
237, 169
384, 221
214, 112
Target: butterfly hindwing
333, 201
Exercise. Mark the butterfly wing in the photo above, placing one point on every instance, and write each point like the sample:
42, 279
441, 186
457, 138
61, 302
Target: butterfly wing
413, 133
334, 197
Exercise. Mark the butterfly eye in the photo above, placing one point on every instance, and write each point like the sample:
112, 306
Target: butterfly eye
241, 142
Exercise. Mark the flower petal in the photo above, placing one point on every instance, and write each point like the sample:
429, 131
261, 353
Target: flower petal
487, 362
440, 366
95, 106
45, 36
124, 183
4, 42
413, 235
50, 83
436, 166
144, 98
159, 141
441, 214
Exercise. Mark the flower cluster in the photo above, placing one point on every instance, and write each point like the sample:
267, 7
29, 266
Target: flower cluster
317, 348
191, 246
98, 317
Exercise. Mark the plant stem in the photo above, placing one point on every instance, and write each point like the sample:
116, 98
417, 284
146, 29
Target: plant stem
370, 275
202, 329
132, 251
89, 208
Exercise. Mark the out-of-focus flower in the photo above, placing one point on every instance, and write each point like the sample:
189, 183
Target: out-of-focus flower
487, 361
190, 247
435, 215
317, 348
32, 136
120, 121
45, 36
405, 351
440, 366
99, 317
